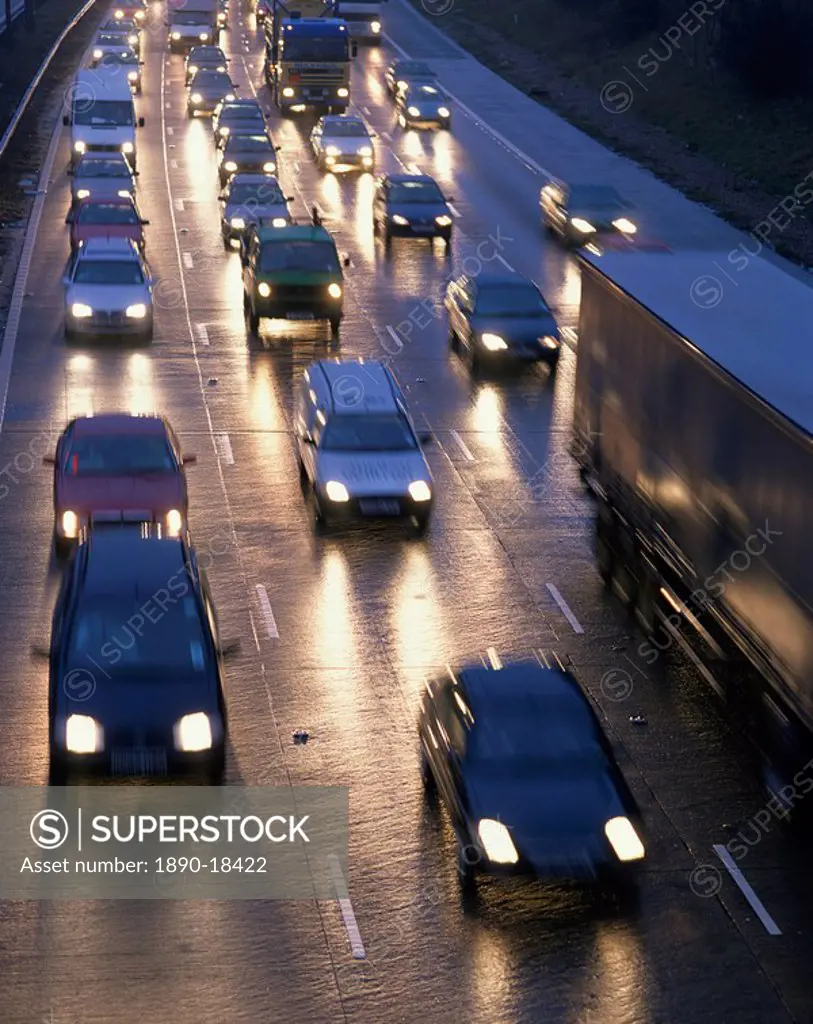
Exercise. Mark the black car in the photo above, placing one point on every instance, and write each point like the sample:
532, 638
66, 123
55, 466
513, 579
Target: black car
400, 72
207, 90
579, 213
210, 58
135, 663
411, 205
499, 316
237, 115
528, 776
424, 105
250, 154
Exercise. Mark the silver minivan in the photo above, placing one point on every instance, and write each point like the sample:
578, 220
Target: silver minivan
102, 115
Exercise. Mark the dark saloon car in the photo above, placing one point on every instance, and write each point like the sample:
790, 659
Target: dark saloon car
521, 762
118, 466
579, 213
399, 73
411, 205
135, 661
250, 154
501, 316
250, 199
237, 115
207, 90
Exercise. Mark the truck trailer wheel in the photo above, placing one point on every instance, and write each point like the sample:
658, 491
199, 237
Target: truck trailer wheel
605, 555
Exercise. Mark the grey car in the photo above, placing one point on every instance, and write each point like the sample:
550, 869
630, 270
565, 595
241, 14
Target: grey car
237, 115
343, 142
249, 153
207, 90
424, 105
204, 58
578, 213
400, 72
101, 177
108, 290
252, 199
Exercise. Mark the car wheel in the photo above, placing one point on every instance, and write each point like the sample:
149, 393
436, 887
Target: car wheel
214, 773
304, 482
419, 526
253, 321
70, 335
387, 236
226, 241
553, 363
454, 341
62, 547
475, 360
334, 329
317, 518
58, 773
466, 858
147, 336
427, 775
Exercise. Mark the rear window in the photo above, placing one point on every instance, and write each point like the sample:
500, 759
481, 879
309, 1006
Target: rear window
106, 213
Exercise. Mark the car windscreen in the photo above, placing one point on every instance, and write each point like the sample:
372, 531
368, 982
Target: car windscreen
119, 455
212, 80
308, 256
404, 192
524, 733
106, 213
191, 18
108, 272
103, 169
172, 641
112, 39
104, 113
248, 144
345, 129
510, 300
413, 68
597, 197
230, 114
368, 434
309, 49
256, 195
117, 60
209, 54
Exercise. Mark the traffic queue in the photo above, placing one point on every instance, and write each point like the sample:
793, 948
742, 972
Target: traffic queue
121, 514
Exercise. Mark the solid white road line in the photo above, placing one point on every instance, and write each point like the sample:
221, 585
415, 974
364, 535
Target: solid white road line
757, 905
224, 444
187, 261
563, 605
346, 908
461, 444
202, 333
267, 612
493, 657
504, 262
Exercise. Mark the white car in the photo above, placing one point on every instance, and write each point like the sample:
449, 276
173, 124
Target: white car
343, 142
108, 290
359, 454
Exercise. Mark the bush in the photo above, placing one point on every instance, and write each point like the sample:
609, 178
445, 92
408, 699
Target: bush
767, 44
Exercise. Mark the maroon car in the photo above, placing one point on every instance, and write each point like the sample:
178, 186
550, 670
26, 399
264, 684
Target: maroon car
107, 218
118, 467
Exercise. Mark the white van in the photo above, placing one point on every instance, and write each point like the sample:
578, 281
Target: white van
102, 114
359, 455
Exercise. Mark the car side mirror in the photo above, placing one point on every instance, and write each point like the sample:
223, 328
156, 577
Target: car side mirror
141, 63
145, 223
189, 460
244, 258
66, 119
136, 174
40, 651
450, 199
425, 438
70, 172
141, 122
49, 460
307, 438
236, 88
290, 199
345, 261
228, 648
65, 280
354, 49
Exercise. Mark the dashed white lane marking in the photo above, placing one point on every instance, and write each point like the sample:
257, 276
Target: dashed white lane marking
565, 608
346, 908
493, 657
413, 168
224, 447
170, 131
173, 164
366, 110
504, 262
454, 209
267, 612
461, 444
202, 333
387, 136
187, 261
179, 205
757, 905
569, 337
394, 335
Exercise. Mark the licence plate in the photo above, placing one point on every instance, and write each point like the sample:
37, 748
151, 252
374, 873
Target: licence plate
380, 507
299, 316
423, 231
139, 761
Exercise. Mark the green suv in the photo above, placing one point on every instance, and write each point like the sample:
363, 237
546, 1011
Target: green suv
292, 273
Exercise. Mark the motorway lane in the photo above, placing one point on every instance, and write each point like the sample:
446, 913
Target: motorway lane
361, 619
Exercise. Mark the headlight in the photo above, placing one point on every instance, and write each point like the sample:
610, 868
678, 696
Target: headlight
375, 26
230, 165
136, 312
192, 69
332, 150
193, 732
98, 54
174, 522
83, 735
398, 219
127, 147
334, 291
124, 193
224, 130
79, 146
270, 167
401, 85
279, 222
222, 67
582, 225
203, 36
419, 490
443, 221
336, 491
83, 193
132, 40
237, 222
176, 35
367, 161
131, 77
343, 92
624, 839
497, 842
221, 18
119, 14
548, 341
229, 97
196, 97
625, 226
139, 15
413, 112
366, 151
80, 311
493, 342
264, 289
287, 91
444, 112
70, 524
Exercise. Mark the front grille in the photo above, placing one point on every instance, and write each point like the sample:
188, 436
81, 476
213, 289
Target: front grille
96, 148
301, 292
103, 318
125, 737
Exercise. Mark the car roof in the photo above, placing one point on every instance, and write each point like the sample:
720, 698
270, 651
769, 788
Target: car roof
131, 561
399, 178
251, 178
109, 248
98, 158
232, 136
242, 102
118, 423
379, 392
487, 690
295, 233
496, 280
343, 119
107, 201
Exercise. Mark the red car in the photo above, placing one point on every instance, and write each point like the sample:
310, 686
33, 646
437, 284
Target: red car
107, 218
118, 467
135, 9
